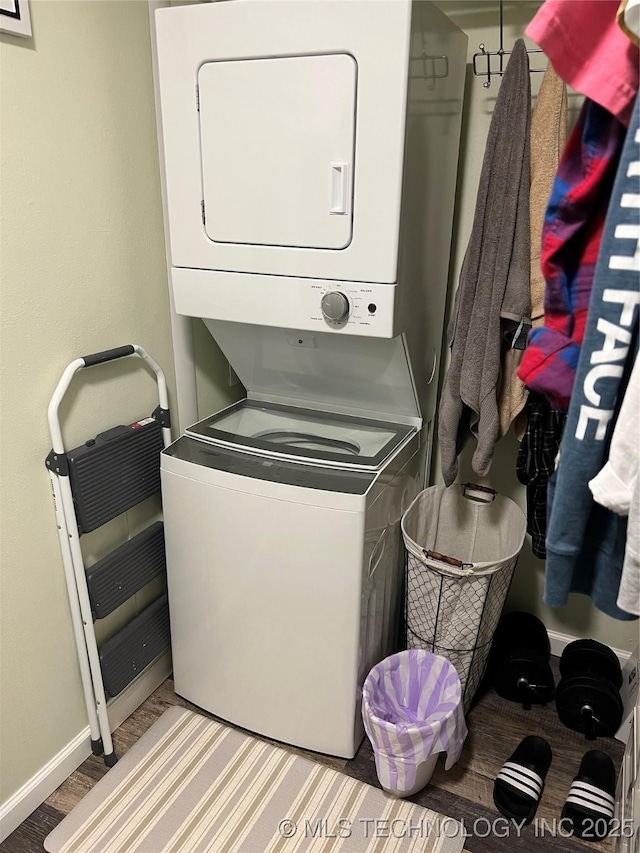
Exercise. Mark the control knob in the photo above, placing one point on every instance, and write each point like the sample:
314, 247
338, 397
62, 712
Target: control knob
335, 306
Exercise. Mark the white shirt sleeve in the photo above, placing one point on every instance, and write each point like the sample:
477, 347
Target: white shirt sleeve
629, 592
617, 487
614, 486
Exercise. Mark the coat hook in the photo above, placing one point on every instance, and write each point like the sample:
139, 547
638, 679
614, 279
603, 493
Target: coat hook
485, 55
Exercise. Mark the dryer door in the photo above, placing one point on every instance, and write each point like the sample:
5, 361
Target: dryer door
283, 134
277, 171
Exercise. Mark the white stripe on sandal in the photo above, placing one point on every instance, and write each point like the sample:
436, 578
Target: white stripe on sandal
594, 799
530, 775
520, 783
586, 788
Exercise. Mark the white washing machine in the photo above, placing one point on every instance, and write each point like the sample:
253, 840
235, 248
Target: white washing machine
284, 565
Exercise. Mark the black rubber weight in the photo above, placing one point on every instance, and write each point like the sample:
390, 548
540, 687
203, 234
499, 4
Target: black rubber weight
521, 629
524, 664
533, 753
593, 691
591, 657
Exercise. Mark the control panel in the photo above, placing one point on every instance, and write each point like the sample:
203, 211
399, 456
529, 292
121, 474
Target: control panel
315, 305
352, 304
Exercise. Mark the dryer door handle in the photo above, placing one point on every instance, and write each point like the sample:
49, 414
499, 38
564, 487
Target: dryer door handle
339, 188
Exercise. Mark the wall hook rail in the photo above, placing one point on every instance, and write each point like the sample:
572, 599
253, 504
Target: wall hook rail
484, 60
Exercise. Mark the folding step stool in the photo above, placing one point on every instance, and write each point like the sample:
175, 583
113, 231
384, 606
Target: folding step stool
91, 485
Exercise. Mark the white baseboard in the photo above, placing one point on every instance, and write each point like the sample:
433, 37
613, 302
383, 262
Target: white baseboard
34, 792
560, 641
27, 799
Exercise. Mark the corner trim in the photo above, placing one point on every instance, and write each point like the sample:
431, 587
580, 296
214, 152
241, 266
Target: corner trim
36, 790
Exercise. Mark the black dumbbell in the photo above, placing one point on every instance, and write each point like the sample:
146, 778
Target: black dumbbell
520, 668
588, 695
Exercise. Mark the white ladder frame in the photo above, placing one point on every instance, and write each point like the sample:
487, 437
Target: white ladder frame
72, 559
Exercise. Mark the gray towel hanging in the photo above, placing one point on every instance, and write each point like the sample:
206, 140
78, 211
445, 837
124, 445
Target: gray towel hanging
494, 279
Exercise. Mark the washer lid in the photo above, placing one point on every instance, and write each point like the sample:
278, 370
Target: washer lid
317, 478
368, 378
303, 435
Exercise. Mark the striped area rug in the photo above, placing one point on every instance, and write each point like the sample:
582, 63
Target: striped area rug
192, 785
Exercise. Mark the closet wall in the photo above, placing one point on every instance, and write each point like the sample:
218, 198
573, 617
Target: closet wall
480, 21
83, 269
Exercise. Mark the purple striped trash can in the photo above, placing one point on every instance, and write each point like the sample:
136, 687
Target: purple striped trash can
412, 711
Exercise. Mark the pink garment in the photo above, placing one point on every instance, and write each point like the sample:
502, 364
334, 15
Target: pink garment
589, 51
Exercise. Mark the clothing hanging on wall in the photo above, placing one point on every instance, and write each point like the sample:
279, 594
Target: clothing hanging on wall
571, 238
589, 51
536, 461
494, 278
585, 541
617, 487
613, 486
548, 139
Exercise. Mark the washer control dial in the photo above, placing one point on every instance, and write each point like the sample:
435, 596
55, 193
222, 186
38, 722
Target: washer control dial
335, 307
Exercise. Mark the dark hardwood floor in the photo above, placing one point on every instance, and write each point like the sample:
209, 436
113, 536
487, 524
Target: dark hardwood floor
463, 793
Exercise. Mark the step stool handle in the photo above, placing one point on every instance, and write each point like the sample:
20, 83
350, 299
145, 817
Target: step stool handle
107, 355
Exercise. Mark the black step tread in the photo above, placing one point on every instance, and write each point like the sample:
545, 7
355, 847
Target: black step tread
114, 472
132, 649
126, 570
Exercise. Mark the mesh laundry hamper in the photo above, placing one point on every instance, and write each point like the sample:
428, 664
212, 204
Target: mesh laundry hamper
462, 545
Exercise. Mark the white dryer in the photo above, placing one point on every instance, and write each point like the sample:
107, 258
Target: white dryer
310, 150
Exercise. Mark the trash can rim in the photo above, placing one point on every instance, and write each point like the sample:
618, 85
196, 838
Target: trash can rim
433, 722
408, 653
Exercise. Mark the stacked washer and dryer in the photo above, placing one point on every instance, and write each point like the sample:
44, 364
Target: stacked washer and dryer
310, 150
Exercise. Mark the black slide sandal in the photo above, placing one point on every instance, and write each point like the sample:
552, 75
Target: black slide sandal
519, 784
590, 803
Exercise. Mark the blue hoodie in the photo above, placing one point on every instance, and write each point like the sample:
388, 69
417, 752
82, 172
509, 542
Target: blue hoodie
585, 541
